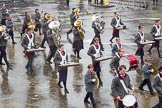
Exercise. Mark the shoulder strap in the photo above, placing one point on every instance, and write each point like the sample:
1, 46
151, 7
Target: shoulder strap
124, 86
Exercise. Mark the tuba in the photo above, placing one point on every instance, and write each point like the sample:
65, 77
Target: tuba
154, 68
78, 24
48, 16
96, 83
76, 11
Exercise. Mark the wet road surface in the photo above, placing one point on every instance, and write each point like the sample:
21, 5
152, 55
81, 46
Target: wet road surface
19, 90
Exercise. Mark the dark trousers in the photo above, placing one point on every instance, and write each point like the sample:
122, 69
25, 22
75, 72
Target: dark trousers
156, 44
44, 39
67, 2
158, 105
29, 65
90, 95
148, 82
3, 54
155, 1
12, 35
53, 49
89, 1
3, 21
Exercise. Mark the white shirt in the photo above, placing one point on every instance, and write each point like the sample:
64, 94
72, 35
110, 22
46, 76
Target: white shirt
97, 54
158, 30
63, 61
31, 41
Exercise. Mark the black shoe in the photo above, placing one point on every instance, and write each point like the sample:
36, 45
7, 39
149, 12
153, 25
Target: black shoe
141, 89
102, 49
101, 84
2, 63
86, 101
79, 57
14, 43
111, 41
59, 85
152, 93
9, 67
67, 35
66, 91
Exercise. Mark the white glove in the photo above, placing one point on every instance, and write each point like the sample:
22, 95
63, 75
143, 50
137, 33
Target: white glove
152, 70
93, 80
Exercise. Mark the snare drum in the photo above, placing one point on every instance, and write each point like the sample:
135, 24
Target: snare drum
129, 100
130, 61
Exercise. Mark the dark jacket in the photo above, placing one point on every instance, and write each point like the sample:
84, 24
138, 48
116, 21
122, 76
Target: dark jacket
57, 60
45, 25
146, 71
4, 12
115, 48
76, 34
25, 42
153, 31
26, 20
117, 88
114, 64
3, 40
88, 81
73, 18
9, 24
50, 37
138, 40
114, 22
37, 18
157, 84
91, 51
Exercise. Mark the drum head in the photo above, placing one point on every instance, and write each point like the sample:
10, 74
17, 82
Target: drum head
125, 61
129, 100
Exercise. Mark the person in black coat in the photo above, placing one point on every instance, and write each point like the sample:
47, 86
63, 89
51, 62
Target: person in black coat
114, 64
116, 22
61, 57
89, 83
139, 39
156, 32
28, 42
95, 52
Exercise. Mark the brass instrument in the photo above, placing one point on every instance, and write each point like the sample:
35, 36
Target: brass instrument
48, 16
31, 24
4, 33
78, 24
154, 68
96, 83
76, 11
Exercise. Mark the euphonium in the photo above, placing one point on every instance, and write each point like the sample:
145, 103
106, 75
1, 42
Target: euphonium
96, 83
81, 32
154, 68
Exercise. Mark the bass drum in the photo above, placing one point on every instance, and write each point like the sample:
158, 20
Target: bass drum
130, 61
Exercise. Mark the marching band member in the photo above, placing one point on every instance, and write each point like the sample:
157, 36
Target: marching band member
116, 22
37, 18
89, 83
147, 73
139, 39
45, 23
95, 52
73, 17
114, 64
3, 43
27, 19
120, 85
78, 39
52, 38
9, 27
155, 32
98, 27
61, 57
28, 42
116, 46
157, 84
4, 12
